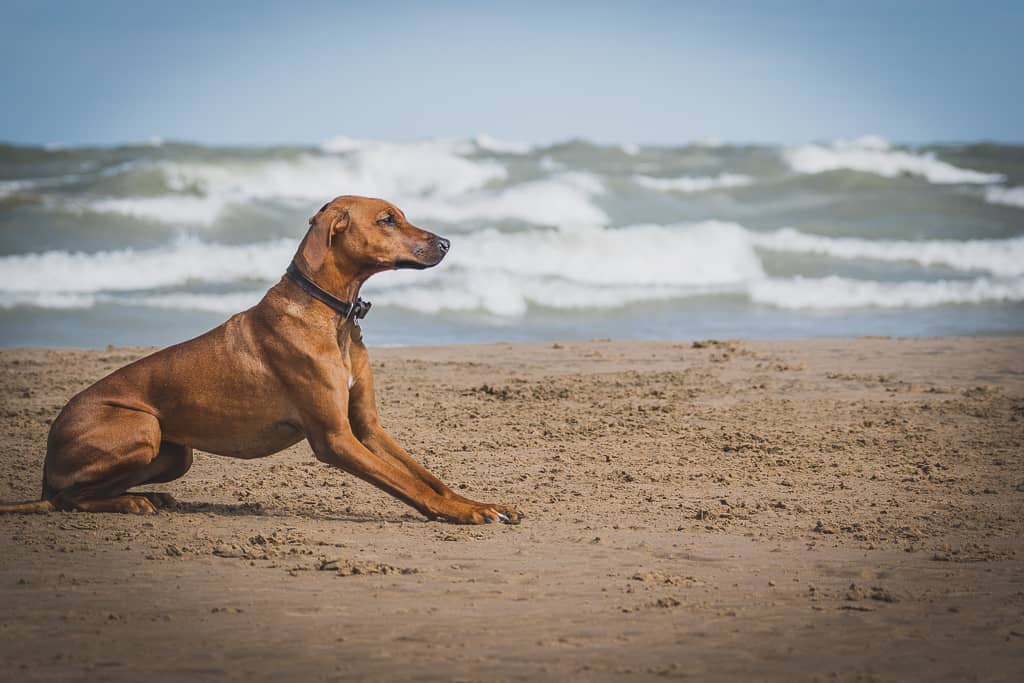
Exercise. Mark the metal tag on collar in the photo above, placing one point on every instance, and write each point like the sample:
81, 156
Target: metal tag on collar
360, 308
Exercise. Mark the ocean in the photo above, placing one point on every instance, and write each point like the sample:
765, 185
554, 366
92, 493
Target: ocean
154, 243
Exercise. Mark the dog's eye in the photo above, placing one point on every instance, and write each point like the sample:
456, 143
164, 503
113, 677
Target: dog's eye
387, 220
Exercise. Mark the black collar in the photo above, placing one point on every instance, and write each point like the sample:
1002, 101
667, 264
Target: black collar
358, 310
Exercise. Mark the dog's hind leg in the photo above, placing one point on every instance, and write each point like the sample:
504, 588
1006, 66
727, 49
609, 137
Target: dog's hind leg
131, 504
97, 452
172, 461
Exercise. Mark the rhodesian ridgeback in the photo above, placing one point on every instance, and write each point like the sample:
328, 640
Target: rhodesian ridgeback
292, 367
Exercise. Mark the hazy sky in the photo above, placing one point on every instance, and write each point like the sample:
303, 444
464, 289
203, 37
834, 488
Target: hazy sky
266, 72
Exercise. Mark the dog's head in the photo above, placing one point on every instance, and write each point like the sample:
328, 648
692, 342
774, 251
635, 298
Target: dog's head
366, 236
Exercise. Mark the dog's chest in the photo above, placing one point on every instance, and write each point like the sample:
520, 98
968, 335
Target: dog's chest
344, 349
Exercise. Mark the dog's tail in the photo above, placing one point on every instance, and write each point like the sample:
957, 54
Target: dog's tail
29, 507
37, 506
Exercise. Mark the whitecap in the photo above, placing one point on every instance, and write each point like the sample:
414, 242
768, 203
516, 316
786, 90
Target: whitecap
872, 154
506, 273
58, 300
226, 303
186, 260
564, 200
835, 293
489, 143
375, 169
170, 209
998, 256
693, 183
1010, 196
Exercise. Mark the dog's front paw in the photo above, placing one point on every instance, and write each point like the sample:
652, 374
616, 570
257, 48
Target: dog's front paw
482, 513
502, 513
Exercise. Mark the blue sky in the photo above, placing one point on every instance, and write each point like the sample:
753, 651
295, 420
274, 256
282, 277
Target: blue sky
104, 72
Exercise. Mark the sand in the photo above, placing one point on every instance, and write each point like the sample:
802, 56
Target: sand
811, 510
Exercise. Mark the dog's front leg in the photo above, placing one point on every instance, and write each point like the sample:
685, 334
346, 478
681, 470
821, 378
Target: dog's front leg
365, 423
383, 445
342, 449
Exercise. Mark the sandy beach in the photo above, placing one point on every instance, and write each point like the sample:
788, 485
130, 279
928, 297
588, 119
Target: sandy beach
784, 510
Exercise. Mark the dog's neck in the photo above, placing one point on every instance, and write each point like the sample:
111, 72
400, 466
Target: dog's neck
338, 281
354, 309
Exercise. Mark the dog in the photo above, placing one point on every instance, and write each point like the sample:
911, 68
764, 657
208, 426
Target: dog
292, 367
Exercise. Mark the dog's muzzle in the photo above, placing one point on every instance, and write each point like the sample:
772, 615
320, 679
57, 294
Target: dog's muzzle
427, 256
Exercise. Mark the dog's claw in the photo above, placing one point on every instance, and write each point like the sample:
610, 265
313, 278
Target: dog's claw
503, 517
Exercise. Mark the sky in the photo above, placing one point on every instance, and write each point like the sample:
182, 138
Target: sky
258, 73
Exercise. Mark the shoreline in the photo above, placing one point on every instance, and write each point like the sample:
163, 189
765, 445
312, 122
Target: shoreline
718, 509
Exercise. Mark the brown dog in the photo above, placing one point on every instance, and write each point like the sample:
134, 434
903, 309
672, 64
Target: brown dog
292, 367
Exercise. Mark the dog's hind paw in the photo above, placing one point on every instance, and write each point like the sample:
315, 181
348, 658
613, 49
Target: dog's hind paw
160, 500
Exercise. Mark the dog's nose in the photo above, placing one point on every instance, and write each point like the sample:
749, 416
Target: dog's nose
443, 244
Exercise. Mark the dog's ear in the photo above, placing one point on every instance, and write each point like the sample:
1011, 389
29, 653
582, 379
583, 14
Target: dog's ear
338, 223
323, 225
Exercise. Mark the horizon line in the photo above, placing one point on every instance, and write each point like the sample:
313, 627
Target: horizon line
157, 141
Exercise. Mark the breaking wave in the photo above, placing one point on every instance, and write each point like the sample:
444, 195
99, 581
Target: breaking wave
835, 292
506, 273
430, 180
187, 260
562, 227
997, 257
872, 154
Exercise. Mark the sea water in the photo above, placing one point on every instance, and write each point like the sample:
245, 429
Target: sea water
154, 243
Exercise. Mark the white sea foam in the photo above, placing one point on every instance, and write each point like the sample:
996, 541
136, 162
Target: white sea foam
505, 295
1011, 196
708, 253
432, 169
9, 187
186, 260
998, 257
429, 180
551, 166
509, 295
226, 303
835, 292
872, 154
506, 273
693, 183
170, 209
58, 300
493, 144
379, 169
343, 144
563, 200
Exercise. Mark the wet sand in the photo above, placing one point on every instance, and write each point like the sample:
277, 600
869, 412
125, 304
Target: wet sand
808, 510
